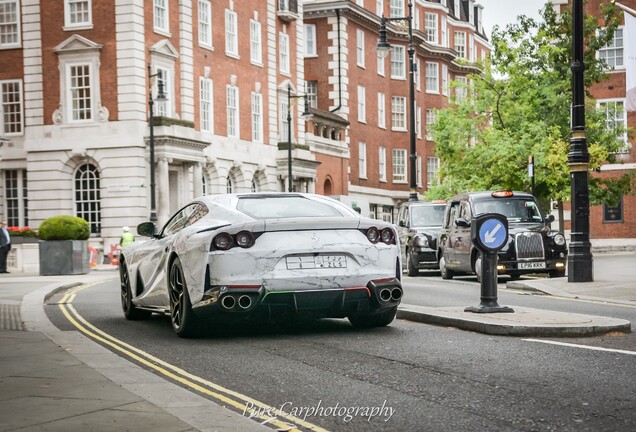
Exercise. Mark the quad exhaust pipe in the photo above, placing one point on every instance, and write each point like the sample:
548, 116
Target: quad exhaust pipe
387, 294
229, 302
244, 301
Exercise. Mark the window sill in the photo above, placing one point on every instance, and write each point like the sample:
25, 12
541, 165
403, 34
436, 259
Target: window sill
233, 55
78, 27
163, 32
399, 182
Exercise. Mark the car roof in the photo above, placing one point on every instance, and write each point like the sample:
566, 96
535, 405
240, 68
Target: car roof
481, 195
424, 203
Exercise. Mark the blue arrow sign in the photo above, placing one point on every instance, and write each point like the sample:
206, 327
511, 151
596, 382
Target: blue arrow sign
492, 233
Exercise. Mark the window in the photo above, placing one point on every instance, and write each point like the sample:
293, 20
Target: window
445, 80
205, 23
430, 23
432, 77
362, 104
432, 167
163, 108
398, 113
161, 16
418, 122
284, 124
232, 102
360, 47
382, 163
15, 192
396, 8
205, 95
257, 117
461, 90
9, 24
418, 171
444, 32
256, 44
397, 62
231, 35
399, 165
416, 75
362, 160
380, 65
229, 185
460, 44
456, 8
431, 116
11, 108
310, 40
256, 187
381, 110
379, 7
473, 49
283, 49
87, 196
80, 104
611, 213
613, 52
615, 120
77, 13
311, 90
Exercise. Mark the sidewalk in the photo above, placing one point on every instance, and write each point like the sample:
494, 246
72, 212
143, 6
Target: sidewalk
55, 380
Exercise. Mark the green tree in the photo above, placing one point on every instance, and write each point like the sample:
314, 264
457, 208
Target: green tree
520, 106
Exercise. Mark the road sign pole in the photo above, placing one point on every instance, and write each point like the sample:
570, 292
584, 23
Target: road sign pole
488, 286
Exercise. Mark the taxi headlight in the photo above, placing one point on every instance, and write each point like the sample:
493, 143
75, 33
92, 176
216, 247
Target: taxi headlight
559, 239
421, 241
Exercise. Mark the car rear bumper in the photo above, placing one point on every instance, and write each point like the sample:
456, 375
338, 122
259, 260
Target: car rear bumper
425, 260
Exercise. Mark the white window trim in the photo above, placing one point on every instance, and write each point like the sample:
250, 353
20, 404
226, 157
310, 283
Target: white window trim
404, 114
17, 44
362, 160
20, 89
360, 48
68, 106
257, 128
237, 132
164, 31
284, 53
256, 44
381, 110
394, 165
168, 89
605, 48
434, 28
231, 49
382, 163
430, 90
77, 26
311, 49
625, 137
210, 98
362, 104
208, 33
403, 68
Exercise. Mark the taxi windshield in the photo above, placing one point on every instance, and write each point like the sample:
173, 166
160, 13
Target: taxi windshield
427, 216
515, 209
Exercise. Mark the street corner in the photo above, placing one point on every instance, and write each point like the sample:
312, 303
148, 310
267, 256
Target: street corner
522, 322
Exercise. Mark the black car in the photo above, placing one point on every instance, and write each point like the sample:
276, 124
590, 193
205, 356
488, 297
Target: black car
532, 246
419, 223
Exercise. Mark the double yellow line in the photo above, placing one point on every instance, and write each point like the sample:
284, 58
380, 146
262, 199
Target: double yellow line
244, 404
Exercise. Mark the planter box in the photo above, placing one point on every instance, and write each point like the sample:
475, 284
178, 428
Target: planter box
23, 257
64, 257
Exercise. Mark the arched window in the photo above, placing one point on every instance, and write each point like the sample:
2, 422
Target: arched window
229, 185
87, 196
204, 185
255, 186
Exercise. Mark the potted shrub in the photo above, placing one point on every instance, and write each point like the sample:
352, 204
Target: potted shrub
64, 246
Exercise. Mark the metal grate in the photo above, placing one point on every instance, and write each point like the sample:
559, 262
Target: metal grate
529, 246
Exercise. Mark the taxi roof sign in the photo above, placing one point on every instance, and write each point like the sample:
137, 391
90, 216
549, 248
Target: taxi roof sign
502, 194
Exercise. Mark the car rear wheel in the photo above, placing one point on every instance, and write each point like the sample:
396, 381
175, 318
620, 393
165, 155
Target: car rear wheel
184, 322
445, 272
411, 270
131, 312
376, 320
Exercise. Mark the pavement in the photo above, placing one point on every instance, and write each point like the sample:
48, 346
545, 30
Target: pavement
53, 380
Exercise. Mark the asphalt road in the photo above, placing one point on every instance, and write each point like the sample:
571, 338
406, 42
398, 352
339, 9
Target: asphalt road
418, 377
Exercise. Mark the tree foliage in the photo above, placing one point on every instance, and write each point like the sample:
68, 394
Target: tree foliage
520, 106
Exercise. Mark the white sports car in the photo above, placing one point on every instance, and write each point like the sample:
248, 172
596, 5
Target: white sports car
266, 255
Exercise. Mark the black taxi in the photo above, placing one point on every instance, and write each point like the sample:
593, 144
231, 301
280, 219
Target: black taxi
532, 246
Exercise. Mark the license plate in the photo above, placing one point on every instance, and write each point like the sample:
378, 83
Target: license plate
531, 265
316, 262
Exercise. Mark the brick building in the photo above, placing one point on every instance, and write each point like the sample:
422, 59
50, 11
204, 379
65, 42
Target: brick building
611, 222
344, 75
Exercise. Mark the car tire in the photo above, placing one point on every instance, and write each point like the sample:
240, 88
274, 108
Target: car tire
515, 276
184, 322
411, 270
556, 273
131, 312
478, 267
444, 271
381, 319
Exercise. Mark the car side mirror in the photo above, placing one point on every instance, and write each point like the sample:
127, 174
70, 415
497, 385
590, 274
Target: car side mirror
146, 229
549, 219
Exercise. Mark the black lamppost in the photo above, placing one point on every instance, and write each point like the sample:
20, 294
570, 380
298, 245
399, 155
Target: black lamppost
160, 97
384, 48
304, 115
579, 256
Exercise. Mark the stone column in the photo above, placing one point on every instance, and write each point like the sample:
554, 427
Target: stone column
163, 190
197, 183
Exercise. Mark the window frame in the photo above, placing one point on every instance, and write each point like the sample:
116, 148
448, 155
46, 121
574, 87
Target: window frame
432, 82
18, 27
256, 42
284, 53
613, 47
161, 12
398, 164
206, 115
362, 160
69, 93
205, 23
398, 62
459, 43
68, 25
382, 163
91, 215
360, 48
398, 117
233, 111
381, 110
311, 48
431, 33
231, 33
257, 117
20, 107
362, 104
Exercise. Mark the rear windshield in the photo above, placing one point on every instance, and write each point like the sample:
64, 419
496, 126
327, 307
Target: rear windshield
427, 216
285, 207
515, 209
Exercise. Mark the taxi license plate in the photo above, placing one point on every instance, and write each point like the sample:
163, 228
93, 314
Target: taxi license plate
531, 265
316, 262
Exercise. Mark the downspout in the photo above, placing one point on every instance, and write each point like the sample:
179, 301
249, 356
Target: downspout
339, 67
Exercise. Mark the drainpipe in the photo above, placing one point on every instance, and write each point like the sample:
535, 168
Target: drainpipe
339, 67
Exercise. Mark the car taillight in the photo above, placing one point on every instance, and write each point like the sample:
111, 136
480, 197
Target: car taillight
373, 234
387, 235
245, 239
222, 241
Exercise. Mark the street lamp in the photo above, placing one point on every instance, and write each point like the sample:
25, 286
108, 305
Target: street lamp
579, 256
160, 97
304, 115
383, 48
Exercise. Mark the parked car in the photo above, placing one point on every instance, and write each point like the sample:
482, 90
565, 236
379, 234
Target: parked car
532, 246
419, 223
268, 255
